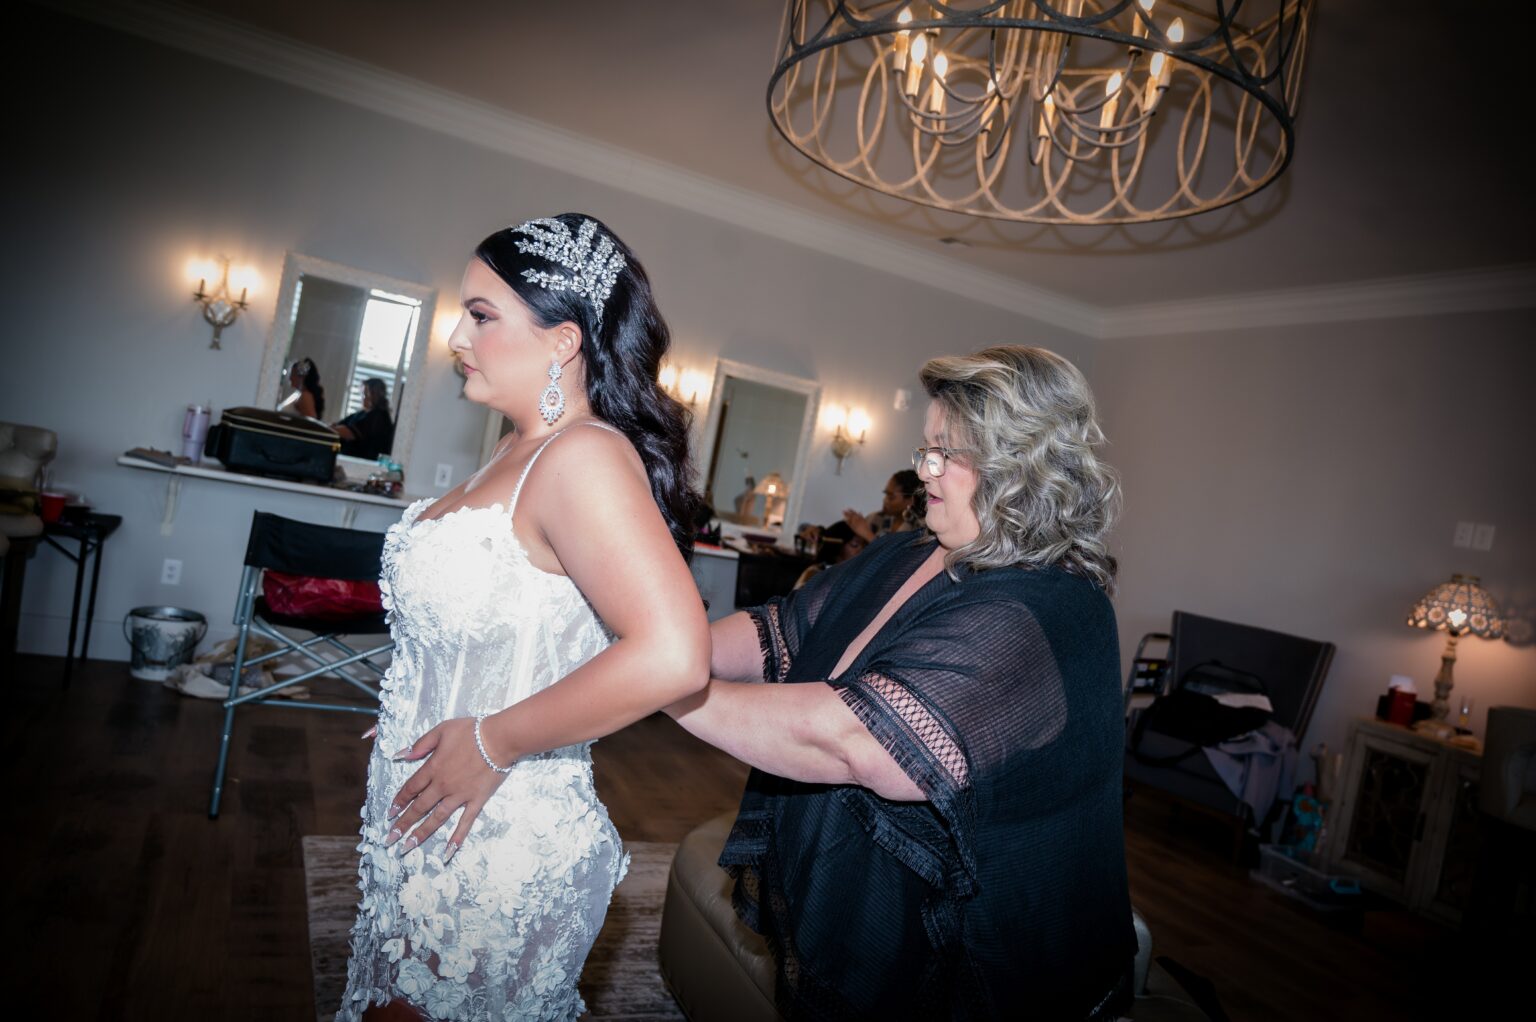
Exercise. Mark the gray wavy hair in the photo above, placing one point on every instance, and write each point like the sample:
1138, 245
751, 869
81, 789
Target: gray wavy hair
1025, 418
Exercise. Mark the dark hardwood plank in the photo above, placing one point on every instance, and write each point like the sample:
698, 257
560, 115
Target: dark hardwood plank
128, 903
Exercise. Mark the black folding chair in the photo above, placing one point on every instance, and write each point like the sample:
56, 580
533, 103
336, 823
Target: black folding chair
299, 548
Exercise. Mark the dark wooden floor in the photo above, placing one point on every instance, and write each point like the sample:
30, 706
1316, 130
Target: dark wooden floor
127, 902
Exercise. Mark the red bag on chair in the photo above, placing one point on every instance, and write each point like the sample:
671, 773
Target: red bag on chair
330, 598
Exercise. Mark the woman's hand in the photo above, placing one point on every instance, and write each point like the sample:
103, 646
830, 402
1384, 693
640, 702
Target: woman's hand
859, 524
455, 776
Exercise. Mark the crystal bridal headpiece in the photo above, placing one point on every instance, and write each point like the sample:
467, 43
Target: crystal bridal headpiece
593, 262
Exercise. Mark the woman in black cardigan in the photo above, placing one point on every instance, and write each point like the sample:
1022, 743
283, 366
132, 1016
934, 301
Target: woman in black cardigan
933, 825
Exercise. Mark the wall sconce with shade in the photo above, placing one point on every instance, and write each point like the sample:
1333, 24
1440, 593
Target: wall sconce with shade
850, 428
220, 307
1458, 607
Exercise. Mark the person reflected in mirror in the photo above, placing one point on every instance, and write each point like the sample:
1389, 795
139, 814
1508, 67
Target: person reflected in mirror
307, 397
898, 509
745, 512
370, 432
835, 544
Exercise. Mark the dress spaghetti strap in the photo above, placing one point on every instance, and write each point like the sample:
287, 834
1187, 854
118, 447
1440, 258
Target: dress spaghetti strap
518, 492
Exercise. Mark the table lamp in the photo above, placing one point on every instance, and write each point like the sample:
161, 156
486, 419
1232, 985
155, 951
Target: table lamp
775, 493
1458, 607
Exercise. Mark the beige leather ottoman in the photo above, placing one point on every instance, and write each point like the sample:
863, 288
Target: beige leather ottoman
720, 971
717, 968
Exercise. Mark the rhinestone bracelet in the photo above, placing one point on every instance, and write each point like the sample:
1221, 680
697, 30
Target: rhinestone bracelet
481, 746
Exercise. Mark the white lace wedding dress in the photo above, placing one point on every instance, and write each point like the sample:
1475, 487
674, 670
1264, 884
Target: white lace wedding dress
502, 930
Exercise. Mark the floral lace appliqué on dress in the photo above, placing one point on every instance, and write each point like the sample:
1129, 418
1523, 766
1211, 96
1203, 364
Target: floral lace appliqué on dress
501, 932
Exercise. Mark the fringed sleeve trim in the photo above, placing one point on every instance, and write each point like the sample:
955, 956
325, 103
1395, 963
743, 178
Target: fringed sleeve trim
770, 641
916, 739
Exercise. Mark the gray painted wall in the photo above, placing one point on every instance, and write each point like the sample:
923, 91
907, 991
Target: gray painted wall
144, 157
1308, 479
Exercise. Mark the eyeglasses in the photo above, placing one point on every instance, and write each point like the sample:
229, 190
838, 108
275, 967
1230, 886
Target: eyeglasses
934, 459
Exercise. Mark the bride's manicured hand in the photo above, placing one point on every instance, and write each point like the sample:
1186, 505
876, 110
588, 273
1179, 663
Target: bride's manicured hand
454, 776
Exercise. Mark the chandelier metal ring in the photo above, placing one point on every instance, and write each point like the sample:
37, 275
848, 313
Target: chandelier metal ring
1044, 111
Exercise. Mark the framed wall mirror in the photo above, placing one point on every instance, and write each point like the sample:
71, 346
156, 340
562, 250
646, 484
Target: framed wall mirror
755, 446
351, 327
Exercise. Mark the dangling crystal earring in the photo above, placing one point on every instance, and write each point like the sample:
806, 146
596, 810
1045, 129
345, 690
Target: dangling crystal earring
552, 398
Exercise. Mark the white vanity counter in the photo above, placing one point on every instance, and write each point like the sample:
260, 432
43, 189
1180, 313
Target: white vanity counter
214, 472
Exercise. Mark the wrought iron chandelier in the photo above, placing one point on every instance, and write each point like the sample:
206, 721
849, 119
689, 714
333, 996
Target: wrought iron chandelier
1064, 112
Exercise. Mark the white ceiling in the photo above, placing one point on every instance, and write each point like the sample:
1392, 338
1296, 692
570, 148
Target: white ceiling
1404, 164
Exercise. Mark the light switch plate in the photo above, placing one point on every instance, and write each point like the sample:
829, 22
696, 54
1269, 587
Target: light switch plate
1462, 537
1482, 536
443, 476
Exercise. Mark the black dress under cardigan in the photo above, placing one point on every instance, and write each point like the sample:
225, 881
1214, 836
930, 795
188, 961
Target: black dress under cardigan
1002, 896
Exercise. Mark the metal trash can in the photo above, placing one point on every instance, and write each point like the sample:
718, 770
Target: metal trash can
162, 638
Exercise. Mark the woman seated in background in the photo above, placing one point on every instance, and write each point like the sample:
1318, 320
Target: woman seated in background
898, 511
370, 432
308, 397
834, 544
932, 828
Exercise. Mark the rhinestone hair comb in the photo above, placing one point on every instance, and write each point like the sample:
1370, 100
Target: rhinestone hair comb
593, 261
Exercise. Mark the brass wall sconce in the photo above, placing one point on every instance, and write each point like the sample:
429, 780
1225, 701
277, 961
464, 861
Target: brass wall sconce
850, 430
219, 308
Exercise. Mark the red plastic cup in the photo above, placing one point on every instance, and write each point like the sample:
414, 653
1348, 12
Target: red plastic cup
53, 505
1400, 708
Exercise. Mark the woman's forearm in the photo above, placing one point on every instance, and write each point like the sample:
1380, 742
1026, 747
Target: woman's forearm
629, 680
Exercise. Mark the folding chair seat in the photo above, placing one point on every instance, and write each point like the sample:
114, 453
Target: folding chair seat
321, 551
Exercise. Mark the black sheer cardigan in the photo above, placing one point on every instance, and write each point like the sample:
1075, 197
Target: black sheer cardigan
1002, 896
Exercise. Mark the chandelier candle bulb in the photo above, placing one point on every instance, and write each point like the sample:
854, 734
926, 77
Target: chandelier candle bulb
1139, 27
1111, 102
919, 53
1157, 78
936, 93
903, 42
1176, 31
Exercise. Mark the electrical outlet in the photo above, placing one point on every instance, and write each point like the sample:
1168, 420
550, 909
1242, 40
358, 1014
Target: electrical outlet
903, 399
443, 476
1463, 535
1482, 536
170, 572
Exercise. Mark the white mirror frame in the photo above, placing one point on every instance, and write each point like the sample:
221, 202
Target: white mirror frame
812, 391
280, 337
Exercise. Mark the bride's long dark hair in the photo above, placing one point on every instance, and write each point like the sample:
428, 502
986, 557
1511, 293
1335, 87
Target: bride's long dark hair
622, 359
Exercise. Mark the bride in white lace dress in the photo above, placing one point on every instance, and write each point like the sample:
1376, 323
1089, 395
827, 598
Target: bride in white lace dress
538, 606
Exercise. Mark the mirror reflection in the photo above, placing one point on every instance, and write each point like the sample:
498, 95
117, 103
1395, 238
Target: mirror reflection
759, 429
360, 339
344, 350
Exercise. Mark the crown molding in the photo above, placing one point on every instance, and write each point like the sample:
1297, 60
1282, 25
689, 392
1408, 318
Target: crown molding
394, 95
1435, 294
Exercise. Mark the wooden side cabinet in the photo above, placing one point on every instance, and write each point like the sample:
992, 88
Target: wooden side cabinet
1407, 824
